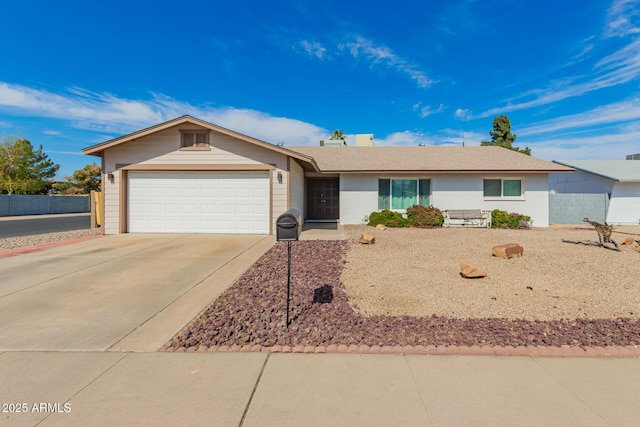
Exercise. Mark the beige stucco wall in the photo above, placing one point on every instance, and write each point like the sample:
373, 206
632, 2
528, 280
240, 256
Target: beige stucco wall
279, 200
164, 148
297, 187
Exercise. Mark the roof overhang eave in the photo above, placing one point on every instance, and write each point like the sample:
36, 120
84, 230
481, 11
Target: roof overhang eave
449, 171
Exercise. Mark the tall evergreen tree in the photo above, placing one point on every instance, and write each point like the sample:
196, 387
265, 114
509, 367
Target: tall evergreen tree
501, 135
23, 169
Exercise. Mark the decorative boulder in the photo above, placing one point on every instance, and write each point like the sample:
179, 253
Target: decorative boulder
508, 250
381, 227
471, 272
367, 239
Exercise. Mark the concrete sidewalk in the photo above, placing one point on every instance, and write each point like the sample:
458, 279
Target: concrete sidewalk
322, 231
261, 389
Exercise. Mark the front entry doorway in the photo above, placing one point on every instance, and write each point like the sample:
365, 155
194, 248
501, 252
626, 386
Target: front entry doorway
322, 199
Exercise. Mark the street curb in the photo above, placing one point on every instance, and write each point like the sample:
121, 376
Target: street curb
44, 246
475, 350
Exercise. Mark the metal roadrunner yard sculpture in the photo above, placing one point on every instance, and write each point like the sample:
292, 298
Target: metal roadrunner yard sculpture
604, 236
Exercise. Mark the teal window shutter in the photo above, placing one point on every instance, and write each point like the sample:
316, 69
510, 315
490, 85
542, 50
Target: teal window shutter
424, 190
384, 194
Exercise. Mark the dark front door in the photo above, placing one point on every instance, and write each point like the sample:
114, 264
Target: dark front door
322, 199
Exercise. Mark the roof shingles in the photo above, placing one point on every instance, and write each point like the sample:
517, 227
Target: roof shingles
441, 159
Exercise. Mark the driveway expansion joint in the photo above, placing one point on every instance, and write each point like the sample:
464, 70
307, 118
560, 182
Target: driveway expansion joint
528, 351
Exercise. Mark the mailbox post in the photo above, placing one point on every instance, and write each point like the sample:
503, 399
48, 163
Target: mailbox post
288, 228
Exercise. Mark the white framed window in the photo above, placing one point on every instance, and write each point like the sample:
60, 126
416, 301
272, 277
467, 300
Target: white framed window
194, 139
503, 188
399, 194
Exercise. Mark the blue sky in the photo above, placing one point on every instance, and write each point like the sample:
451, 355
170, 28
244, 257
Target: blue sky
567, 73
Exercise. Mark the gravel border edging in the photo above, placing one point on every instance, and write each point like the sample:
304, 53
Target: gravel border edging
43, 246
529, 351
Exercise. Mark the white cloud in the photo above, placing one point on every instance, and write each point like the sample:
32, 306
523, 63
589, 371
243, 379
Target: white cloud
606, 132
444, 137
52, 132
314, 49
110, 114
427, 110
405, 138
612, 145
607, 114
621, 18
77, 104
380, 54
268, 128
360, 47
456, 137
618, 68
463, 114
584, 54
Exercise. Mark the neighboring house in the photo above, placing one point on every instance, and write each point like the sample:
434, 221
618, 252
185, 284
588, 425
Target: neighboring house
618, 179
187, 175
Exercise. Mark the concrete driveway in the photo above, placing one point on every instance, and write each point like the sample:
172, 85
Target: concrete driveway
128, 292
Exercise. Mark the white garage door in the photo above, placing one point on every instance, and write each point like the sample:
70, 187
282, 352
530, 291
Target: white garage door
198, 202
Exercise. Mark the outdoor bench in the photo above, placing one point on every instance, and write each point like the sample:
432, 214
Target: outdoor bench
467, 217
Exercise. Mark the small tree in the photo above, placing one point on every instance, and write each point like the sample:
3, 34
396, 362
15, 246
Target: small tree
24, 170
83, 181
338, 135
501, 135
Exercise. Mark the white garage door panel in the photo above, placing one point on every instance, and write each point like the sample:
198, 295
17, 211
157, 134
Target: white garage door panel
198, 202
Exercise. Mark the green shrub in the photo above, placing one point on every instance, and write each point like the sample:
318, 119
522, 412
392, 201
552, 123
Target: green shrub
424, 216
504, 219
388, 218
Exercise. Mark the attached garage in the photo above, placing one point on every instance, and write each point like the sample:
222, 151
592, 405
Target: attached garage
198, 202
190, 176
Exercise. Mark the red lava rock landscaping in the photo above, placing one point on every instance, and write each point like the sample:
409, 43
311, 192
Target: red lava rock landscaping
251, 315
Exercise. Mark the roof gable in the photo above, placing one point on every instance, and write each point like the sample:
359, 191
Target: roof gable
96, 150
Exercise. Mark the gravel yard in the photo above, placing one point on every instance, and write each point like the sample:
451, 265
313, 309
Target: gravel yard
8, 243
338, 285
416, 272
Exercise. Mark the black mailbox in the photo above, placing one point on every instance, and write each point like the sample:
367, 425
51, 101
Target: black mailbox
289, 225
